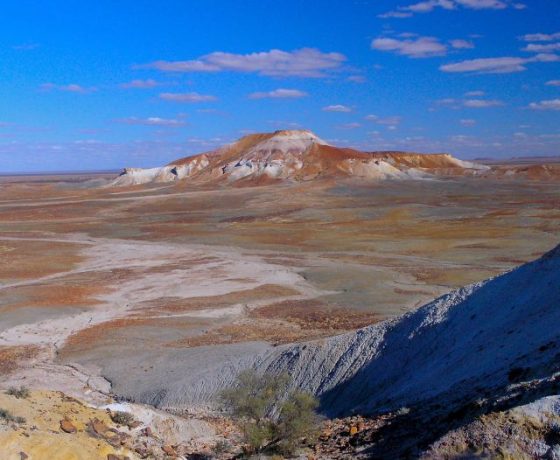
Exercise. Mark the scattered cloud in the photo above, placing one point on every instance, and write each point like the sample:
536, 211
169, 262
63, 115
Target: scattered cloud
350, 126
421, 47
187, 97
427, 6
337, 108
469, 103
553, 104
140, 84
305, 62
71, 88
152, 121
386, 121
542, 48
497, 65
461, 44
553, 83
280, 93
357, 78
482, 103
467, 122
477, 93
483, 4
539, 37
395, 14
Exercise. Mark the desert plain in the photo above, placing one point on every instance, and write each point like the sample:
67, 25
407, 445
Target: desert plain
160, 293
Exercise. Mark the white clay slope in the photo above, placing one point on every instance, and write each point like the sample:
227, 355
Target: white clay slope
278, 157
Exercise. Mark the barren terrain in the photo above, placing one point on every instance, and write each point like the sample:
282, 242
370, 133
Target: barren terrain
104, 283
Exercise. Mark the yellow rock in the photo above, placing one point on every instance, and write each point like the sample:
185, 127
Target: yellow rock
44, 410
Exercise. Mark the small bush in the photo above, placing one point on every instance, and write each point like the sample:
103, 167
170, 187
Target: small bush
221, 447
296, 422
7, 416
271, 418
122, 418
20, 393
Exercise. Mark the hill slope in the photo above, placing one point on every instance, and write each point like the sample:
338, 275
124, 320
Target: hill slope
487, 340
461, 344
295, 155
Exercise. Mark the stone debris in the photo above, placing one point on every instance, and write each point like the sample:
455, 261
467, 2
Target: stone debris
67, 426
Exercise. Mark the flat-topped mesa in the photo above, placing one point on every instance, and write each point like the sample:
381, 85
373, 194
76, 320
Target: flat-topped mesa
294, 155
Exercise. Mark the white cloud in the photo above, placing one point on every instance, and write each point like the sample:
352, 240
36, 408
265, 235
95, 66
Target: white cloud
482, 103
152, 121
280, 93
497, 65
469, 103
141, 84
386, 121
350, 126
187, 97
305, 62
483, 4
553, 104
71, 88
542, 48
461, 44
539, 37
422, 47
553, 83
475, 93
337, 108
395, 14
427, 6
467, 122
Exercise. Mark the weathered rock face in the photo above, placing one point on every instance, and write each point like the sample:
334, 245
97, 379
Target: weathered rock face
294, 155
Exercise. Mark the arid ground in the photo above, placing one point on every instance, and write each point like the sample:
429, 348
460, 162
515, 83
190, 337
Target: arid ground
101, 277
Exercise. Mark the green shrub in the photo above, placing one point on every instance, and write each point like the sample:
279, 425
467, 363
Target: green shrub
297, 421
7, 416
271, 418
20, 393
122, 418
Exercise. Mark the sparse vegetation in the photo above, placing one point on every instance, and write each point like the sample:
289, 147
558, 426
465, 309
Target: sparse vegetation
271, 418
7, 416
221, 447
20, 393
122, 418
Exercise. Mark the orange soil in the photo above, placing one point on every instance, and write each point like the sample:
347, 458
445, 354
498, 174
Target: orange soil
55, 295
34, 259
13, 357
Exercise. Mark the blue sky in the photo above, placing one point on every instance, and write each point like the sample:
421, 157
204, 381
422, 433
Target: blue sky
99, 85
